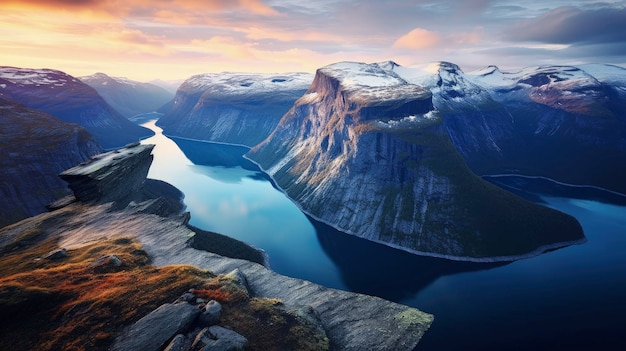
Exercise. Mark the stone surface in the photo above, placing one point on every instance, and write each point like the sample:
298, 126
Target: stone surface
211, 313
113, 176
152, 332
56, 254
177, 344
218, 338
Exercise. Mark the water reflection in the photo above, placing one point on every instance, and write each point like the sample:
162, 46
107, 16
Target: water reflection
376, 269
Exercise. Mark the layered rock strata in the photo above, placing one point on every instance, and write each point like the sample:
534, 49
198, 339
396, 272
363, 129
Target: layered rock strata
365, 151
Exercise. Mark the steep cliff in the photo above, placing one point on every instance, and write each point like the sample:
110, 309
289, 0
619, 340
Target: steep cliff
351, 321
70, 100
128, 97
561, 122
36, 147
366, 152
569, 125
234, 108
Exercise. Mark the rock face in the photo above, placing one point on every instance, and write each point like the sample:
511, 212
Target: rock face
36, 147
562, 122
128, 97
233, 108
110, 176
365, 151
70, 100
152, 332
351, 321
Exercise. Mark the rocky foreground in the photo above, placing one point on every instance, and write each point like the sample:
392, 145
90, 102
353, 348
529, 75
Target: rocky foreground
122, 253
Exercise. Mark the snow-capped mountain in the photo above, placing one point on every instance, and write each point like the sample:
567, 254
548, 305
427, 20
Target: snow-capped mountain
563, 122
71, 100
366, 151
128, 97
236, 108
36, 147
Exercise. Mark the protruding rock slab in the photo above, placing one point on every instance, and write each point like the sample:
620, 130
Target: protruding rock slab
152, 332
110, 176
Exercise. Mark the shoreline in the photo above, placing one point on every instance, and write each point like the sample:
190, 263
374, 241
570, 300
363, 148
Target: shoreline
495, 259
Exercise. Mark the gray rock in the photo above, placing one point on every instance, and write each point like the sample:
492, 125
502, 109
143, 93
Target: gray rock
56, 254
106, 262
237, 278
152, 332
211, 313
112, 176
177, 344
218, 338
187, 297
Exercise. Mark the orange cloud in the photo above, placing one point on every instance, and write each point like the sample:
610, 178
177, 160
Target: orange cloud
143, 7
418, 38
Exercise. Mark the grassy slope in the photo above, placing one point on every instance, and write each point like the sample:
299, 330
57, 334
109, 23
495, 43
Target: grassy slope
65, 304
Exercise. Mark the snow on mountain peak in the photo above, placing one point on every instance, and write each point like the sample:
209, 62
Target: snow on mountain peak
353, 74
245, 83
29, 76
373, 83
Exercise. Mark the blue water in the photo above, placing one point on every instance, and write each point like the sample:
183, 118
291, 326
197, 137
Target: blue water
572, 298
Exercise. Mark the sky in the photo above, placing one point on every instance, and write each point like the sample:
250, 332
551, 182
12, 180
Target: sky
174, 39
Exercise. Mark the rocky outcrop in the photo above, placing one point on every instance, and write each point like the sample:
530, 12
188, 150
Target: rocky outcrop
70, 100
234, 108
36, 147
365, 151
351, 321
561, 122
128, 97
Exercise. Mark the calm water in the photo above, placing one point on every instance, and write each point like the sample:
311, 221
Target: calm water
570, 298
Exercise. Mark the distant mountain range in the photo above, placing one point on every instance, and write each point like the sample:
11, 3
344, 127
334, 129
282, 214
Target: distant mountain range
562, 122
71, 100
128, 97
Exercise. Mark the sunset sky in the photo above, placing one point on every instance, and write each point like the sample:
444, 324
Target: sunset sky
174, 39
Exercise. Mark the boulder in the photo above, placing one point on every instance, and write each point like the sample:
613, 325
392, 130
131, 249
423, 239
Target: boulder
211, 313
152, 332
218, 338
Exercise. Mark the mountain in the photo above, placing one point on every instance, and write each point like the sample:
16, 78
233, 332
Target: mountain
168, 85
71, 100
366, 152
235, 108
562, 122
115, 270
36, 147
128, 97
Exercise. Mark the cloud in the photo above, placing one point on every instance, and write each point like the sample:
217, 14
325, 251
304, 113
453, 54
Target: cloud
571, 25
418, 38
146, 7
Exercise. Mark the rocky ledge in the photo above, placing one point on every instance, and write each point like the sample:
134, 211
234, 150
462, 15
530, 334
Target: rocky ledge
349, 320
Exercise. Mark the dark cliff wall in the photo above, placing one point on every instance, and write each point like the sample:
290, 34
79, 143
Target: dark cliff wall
399, 181
36, 147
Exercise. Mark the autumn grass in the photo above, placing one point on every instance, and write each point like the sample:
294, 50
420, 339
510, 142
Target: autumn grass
67, 304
